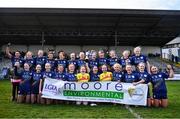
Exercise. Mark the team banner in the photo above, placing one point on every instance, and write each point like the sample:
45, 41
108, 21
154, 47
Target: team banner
113, 92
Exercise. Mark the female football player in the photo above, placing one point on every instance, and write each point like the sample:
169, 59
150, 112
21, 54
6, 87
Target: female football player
159, 85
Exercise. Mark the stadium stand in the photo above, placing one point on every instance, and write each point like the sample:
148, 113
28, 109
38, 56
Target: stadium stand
162, 64
5, 65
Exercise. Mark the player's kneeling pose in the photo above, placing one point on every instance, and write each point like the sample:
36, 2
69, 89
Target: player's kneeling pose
71, 75
37, 76
60, 75
46, 73
25, 85
83, 76
94, 76
144, 78
159, 85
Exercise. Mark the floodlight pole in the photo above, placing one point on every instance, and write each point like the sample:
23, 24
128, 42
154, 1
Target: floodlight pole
116, 40
42, 41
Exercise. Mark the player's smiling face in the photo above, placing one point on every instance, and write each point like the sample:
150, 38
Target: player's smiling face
38, 68
154, 70
81, 55
137, 51
73, 56
116, 68
101, 54
50, 56
40, 53
71, 68
141, 67
26, 67
61, 55
104, 68
29, 55
48, 67
125, 54
60, 68
129, 69
83, 70
93, 56
112, 54
95, 69
17, 54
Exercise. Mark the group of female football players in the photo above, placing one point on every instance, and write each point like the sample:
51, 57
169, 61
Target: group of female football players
30, 71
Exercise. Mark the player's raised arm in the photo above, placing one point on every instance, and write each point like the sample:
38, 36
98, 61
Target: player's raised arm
148, 67
170, 71
8, 51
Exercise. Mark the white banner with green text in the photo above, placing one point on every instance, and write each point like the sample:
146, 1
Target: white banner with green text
113, 92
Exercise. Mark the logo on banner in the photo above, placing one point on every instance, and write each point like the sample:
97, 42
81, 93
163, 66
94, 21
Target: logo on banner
136, 94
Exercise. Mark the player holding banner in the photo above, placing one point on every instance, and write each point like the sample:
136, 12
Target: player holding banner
144, 78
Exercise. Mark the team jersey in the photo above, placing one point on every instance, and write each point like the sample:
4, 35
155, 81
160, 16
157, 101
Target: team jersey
37, 76
158, 81
80, 63
102, 61
48, 74
60, 76
137, 59
112, 61
117, 76
94, 77
144, 76
14, 59
25, 85
31, 62
130, 78
26, 75
40, 60
83, 77
18, 72
61, 62
52, 62
92, 63
72, 62
106, 76
123, 62
71, 77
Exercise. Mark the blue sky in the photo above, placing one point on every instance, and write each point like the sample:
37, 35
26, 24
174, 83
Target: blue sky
112, 4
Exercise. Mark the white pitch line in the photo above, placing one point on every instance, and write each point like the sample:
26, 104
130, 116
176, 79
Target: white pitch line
133, 113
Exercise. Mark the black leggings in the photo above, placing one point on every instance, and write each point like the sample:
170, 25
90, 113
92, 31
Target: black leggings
15, 89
